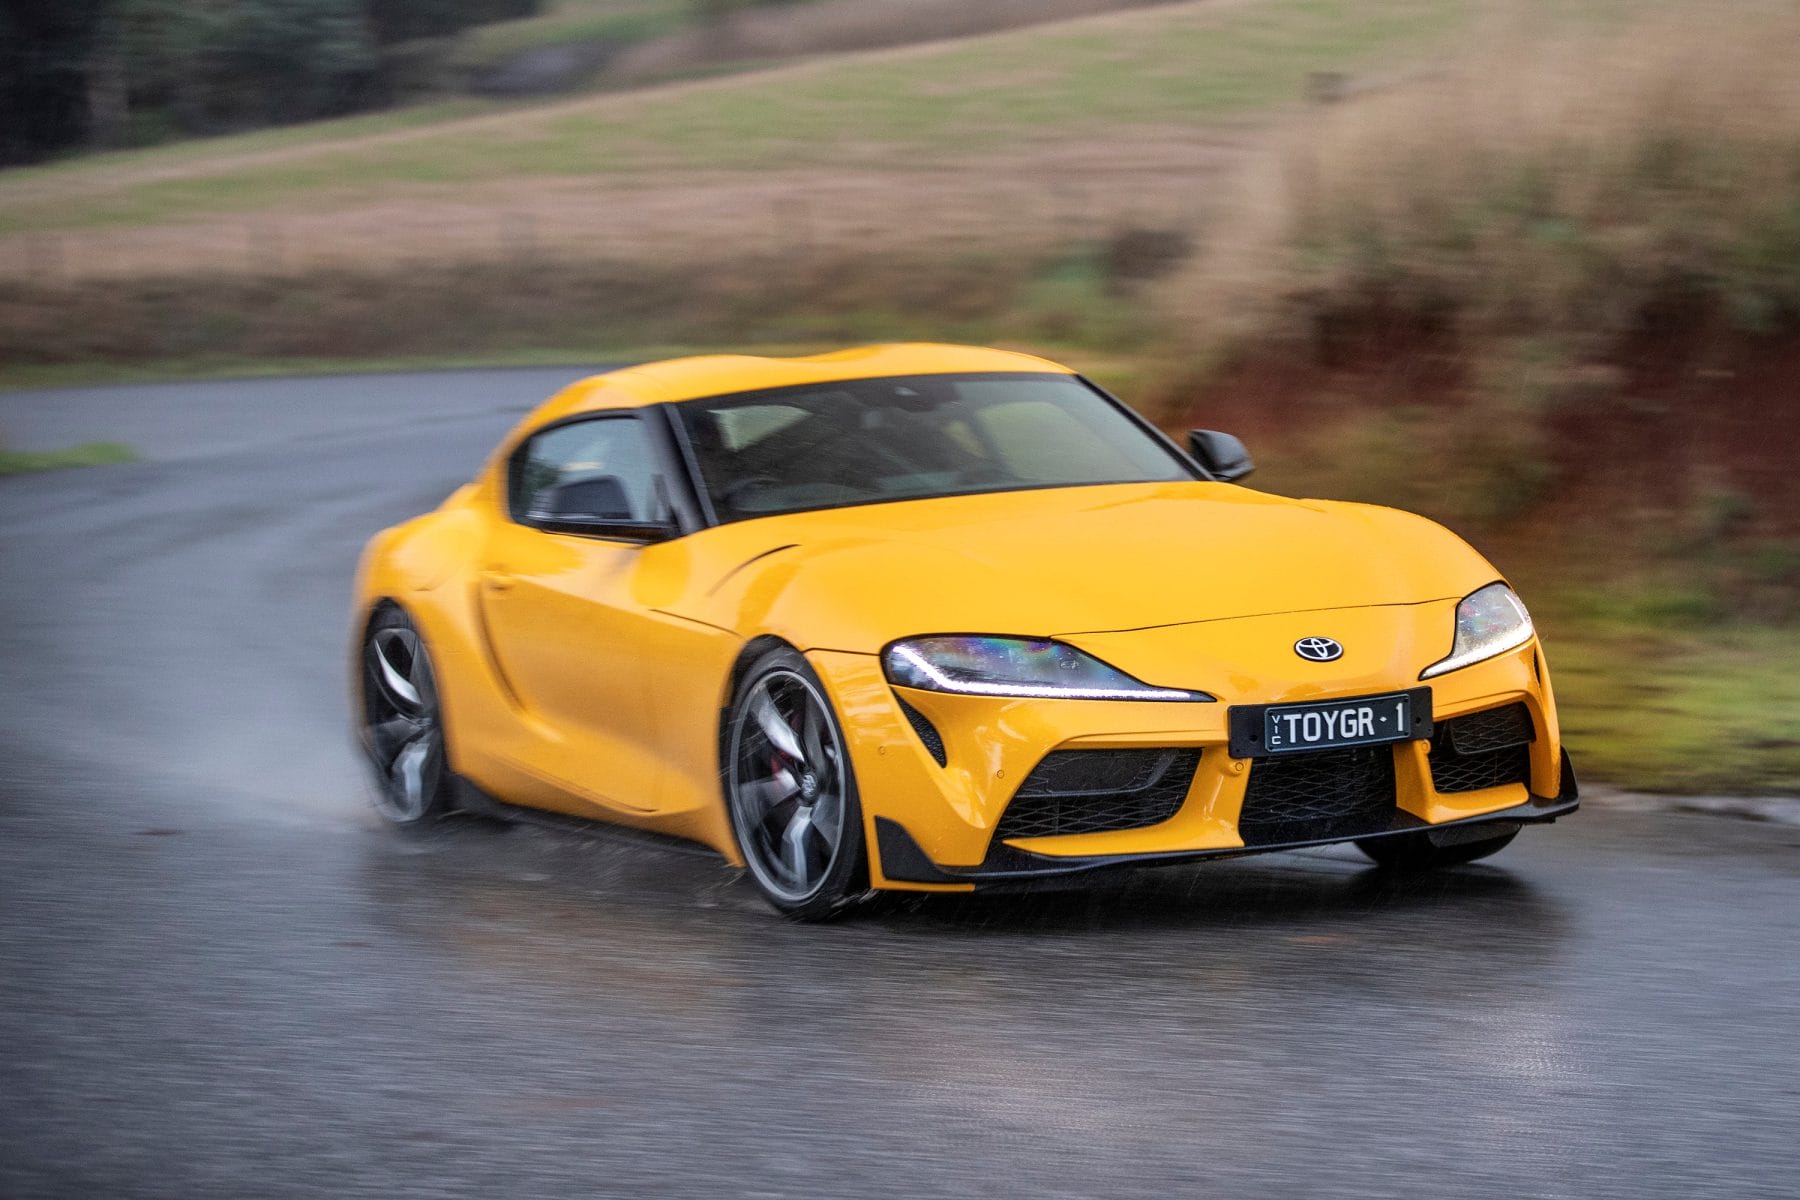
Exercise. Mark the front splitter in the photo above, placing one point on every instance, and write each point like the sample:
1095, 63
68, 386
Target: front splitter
1007, 867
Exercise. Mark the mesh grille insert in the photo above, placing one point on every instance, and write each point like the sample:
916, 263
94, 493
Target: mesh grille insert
1472, 772
1322, 794
1092, 791
1483, 750
1495, 729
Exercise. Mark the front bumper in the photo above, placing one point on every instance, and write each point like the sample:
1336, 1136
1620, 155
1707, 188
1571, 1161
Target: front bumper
938, 772
1009, 867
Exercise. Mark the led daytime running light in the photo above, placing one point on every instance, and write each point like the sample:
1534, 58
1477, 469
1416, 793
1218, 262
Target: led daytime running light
1489, 622
991, 666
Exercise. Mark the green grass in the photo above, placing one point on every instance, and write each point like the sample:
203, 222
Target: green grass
1164, 69
88, 454
17, 377
1693, 711
195, 153
1121, 374
32, 377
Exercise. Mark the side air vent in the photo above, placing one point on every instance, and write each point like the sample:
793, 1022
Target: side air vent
934, 741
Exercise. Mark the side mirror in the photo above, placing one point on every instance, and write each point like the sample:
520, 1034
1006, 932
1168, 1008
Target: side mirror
1220, 455
595, 507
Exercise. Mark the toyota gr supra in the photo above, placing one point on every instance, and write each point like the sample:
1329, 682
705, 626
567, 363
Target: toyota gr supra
940, 619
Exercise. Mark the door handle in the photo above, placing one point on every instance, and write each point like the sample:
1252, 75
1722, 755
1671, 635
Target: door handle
497, 580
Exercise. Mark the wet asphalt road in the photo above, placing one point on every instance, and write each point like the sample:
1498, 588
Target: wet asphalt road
221, 976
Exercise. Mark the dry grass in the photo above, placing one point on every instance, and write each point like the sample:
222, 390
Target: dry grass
1575, 186
504, 307
1550, 295
1027, 201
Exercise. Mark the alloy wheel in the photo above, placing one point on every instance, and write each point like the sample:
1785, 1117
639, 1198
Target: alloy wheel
787, 784
402, 730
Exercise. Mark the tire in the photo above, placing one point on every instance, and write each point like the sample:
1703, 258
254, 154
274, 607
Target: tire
402, 727
791, 792
1417, 852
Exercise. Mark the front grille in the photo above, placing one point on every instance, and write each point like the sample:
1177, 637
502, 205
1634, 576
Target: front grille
1315, 795
1483, 750
1093, 791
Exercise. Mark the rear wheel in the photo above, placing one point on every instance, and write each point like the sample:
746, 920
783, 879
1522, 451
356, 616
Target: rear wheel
791, 792
1418, 852
402, 727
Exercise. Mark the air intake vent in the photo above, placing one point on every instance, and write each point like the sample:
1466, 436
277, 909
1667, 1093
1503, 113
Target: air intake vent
1483, 750
1094, 791
1495, 729
1318, 795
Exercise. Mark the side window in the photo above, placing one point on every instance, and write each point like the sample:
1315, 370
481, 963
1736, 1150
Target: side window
613, 456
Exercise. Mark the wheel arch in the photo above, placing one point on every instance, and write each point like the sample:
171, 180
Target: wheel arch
854, 872
362, 626
372, 610
747, 655
469, 697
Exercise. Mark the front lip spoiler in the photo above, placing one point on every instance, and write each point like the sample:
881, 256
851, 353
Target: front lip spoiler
903, 861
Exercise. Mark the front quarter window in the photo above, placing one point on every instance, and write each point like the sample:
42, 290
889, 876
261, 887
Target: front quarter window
614, 453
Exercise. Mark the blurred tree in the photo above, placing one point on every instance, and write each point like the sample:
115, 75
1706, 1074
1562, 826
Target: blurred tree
261, 62
399, 20
44, 49
108, 72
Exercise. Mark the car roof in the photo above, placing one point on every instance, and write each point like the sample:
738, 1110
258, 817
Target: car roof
678, 379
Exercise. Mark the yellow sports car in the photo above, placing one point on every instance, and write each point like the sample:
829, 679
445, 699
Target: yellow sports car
936, 618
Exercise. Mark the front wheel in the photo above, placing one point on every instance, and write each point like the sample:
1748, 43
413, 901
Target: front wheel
791, 791
402, 726
1418, 852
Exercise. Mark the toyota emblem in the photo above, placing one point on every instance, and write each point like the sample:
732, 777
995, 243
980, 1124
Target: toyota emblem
1319, 649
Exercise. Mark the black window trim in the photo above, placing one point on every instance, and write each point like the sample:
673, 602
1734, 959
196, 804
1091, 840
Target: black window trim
691, 501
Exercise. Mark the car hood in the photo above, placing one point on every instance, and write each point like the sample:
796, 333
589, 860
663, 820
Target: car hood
1061, 562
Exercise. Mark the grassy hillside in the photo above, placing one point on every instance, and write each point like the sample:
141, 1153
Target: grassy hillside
1134, 76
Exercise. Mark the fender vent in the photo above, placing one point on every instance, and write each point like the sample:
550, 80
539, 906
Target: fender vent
934, 741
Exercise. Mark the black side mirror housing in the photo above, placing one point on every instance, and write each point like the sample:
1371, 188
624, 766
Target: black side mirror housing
1222, 456
597, 507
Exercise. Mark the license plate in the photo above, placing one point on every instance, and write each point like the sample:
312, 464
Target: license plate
1259, 730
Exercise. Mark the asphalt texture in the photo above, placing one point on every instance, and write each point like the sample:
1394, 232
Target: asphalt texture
221, 975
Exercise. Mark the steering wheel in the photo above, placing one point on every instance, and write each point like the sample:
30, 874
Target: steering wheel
731, 491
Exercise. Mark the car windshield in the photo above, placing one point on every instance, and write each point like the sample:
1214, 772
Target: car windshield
871, 440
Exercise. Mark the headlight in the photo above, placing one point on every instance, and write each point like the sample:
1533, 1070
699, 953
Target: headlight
1488, 622
1021, 667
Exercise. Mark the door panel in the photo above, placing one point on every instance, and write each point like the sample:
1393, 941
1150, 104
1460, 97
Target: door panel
564, 630
565, 626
